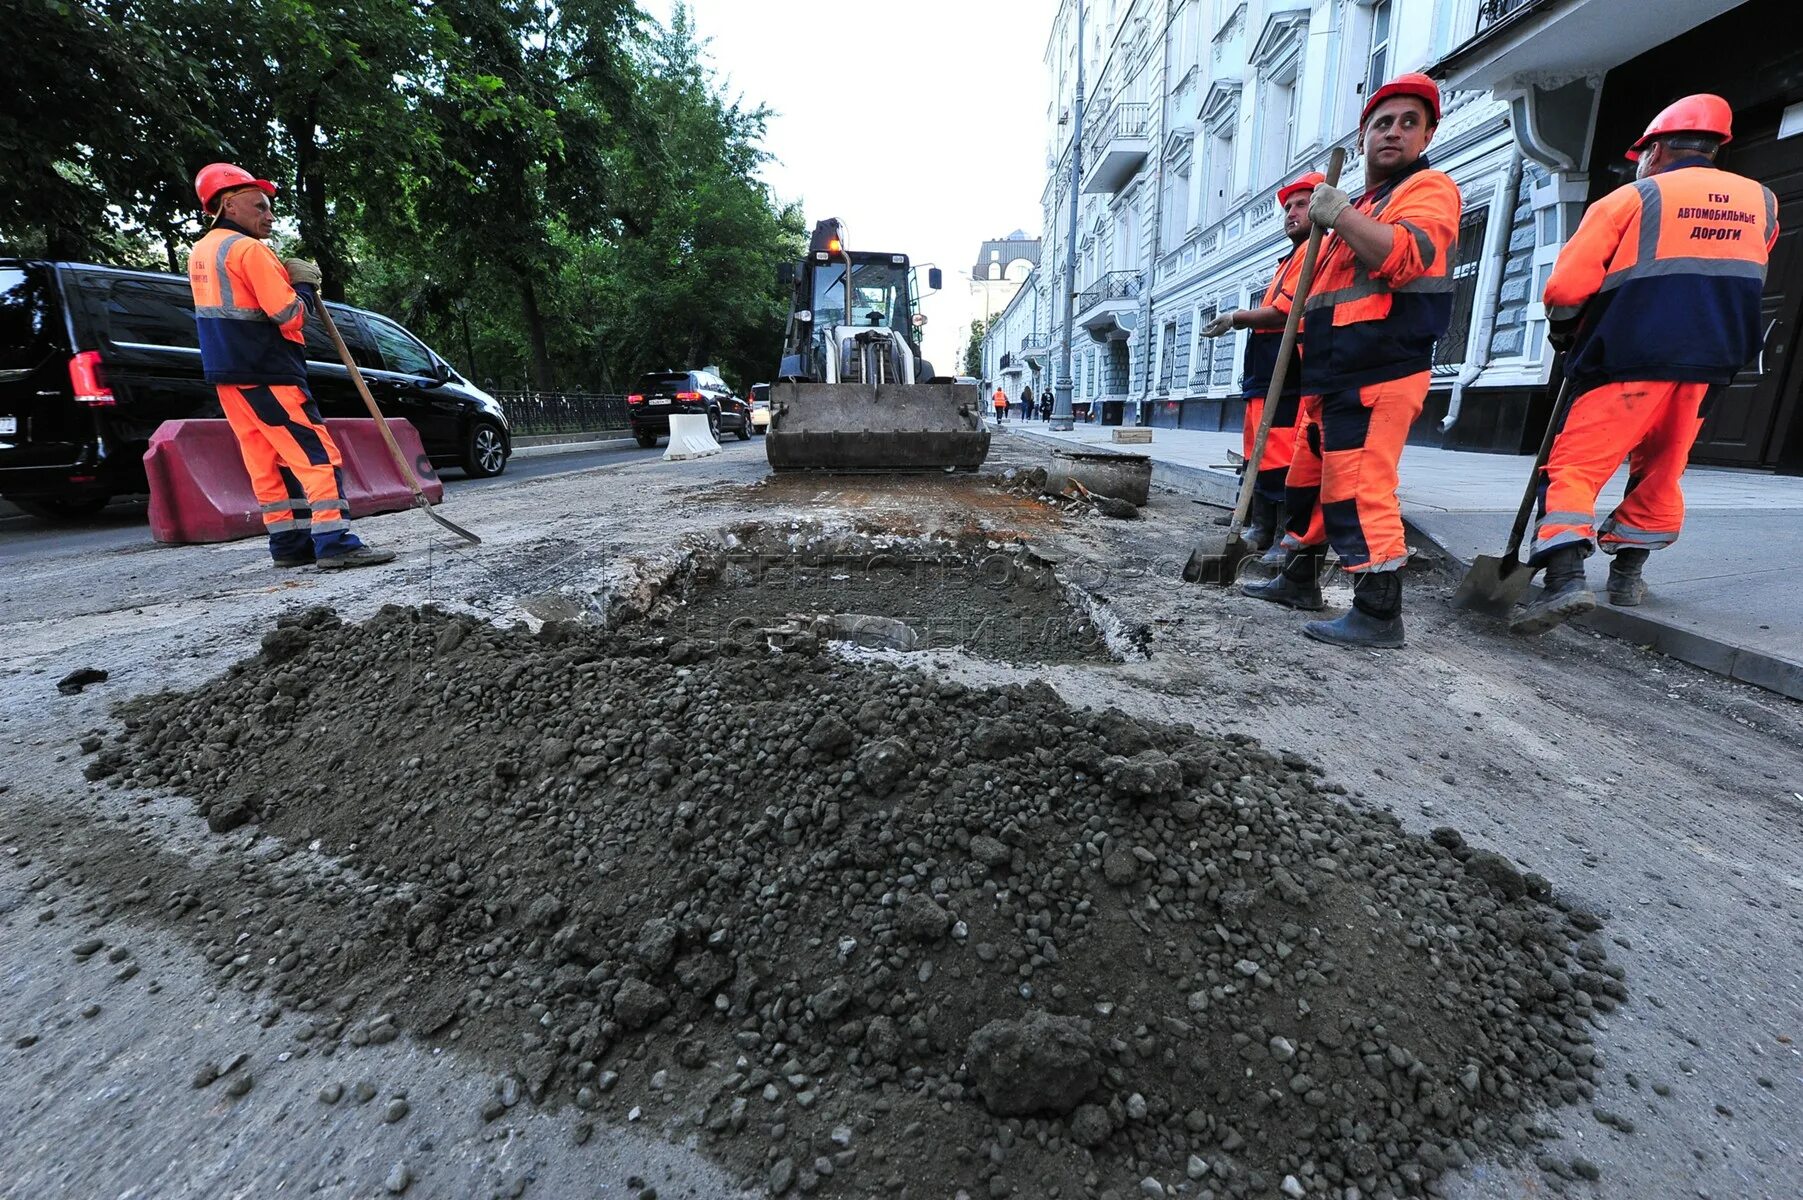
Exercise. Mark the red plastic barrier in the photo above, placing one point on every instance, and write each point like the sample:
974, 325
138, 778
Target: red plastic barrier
200, 491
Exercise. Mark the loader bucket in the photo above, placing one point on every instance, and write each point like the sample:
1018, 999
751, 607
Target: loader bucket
893, 427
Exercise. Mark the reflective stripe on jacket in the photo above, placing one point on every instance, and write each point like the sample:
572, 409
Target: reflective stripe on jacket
1663, 278
1371, 326
1262, 345
247, 312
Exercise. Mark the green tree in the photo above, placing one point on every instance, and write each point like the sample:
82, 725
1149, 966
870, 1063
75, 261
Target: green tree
973, 348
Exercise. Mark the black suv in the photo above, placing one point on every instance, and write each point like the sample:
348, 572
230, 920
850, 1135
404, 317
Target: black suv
93, 359
661, 393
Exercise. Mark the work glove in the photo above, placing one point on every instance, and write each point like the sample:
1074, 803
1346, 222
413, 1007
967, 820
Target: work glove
1220, 325
301, 271
1326, 205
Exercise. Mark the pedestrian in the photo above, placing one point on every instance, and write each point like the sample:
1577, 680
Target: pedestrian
1026, 402
249, 319
1045, 406
1001, 404
1381, 297
1656, 302
1266, 323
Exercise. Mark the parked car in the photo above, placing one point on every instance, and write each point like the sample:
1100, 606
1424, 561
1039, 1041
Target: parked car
662, 393
93, 359
760, 407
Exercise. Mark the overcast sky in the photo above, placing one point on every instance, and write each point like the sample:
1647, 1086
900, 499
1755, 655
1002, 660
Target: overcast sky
920, 125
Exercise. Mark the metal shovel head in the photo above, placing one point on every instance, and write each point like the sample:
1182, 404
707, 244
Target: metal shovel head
892, 427
1493, 586
1217, 565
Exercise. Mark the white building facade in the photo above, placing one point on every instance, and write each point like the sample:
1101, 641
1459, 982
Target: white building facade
1196, 111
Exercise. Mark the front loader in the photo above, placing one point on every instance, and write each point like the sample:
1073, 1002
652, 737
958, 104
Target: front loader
853, 392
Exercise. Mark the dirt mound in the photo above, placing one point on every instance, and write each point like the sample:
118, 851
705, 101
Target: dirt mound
857, 930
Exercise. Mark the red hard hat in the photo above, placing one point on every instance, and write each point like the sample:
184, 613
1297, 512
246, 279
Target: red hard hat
1307, 183
1702, 113
1412, 84
215, 178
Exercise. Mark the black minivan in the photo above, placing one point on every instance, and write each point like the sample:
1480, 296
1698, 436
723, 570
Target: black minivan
93, 359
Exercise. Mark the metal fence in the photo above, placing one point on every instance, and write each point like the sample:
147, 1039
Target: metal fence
531, 413
1115, 285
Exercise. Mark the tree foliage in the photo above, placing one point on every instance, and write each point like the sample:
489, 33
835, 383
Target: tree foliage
555, 192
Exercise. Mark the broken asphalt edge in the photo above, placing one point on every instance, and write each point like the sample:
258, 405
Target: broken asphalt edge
1714, 654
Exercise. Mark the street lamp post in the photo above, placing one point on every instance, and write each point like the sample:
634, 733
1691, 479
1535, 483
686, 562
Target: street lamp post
1062, 414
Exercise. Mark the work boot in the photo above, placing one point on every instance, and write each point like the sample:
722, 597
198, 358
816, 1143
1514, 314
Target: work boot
1626, 588
362, 556
1564, 594
1374, 622
1262, 529
294, 560
1297, 586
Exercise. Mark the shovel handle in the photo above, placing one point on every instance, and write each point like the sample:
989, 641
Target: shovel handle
350, 364
1291, 326
1520, 531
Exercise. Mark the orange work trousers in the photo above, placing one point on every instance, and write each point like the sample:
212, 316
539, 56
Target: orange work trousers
1651, 424
1302, 529
1362, 433
1280, 445
293, 463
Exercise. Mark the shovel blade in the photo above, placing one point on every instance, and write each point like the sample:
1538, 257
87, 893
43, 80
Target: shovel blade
1493, 586
1220, 567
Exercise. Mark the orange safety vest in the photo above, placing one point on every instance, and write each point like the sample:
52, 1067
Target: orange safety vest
1662, 280
247, 313
1262, 345
1368, 326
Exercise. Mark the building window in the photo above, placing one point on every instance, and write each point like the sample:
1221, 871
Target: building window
1226, 350
1277, 121
1167, 357
1451, 349
1219, 174
1377, 72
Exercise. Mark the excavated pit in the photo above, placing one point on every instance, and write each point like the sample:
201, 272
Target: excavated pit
882, 591
851, 928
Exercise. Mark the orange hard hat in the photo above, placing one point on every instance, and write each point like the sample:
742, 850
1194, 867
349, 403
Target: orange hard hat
1307, 183
215, 178
1412, 84
1702, 113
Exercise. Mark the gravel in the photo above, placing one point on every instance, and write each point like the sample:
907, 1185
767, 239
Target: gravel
1085, 952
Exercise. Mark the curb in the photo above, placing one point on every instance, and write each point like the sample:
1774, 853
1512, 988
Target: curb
561, 443
1739, 663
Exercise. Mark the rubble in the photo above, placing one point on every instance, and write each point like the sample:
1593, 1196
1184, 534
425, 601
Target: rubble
858, 930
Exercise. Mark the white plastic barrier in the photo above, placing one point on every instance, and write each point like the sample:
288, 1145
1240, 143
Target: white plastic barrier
689, 438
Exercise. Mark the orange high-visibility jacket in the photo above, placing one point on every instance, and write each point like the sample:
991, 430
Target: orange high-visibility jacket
1263, 344
1366, 326
247, 312
1662, 280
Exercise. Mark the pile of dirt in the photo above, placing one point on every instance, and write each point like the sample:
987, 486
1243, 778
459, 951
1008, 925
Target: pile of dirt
855, 930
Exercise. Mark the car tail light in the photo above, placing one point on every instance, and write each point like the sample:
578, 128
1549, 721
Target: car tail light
689, 397
87, 376
635, 398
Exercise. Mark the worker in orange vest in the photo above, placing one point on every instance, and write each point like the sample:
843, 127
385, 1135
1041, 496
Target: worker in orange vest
249, 317
1266, 323
1000, 399
1656, 301
1382, 295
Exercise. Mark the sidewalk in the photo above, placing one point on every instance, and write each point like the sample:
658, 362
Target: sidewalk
1724, 597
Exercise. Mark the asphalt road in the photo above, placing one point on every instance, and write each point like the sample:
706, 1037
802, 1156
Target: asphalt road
122, 524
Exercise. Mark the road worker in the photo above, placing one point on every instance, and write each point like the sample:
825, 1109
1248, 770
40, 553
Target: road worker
1266, 323
1000, 400
251, 346
1382, 295
1656, 301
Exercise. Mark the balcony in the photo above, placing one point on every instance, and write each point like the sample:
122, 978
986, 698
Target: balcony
1492, 11
1520, 45
1115, 147
1109, 308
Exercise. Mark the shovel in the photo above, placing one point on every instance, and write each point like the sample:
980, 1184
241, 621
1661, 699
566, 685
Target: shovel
1219, 563
1493, 585
400, 460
